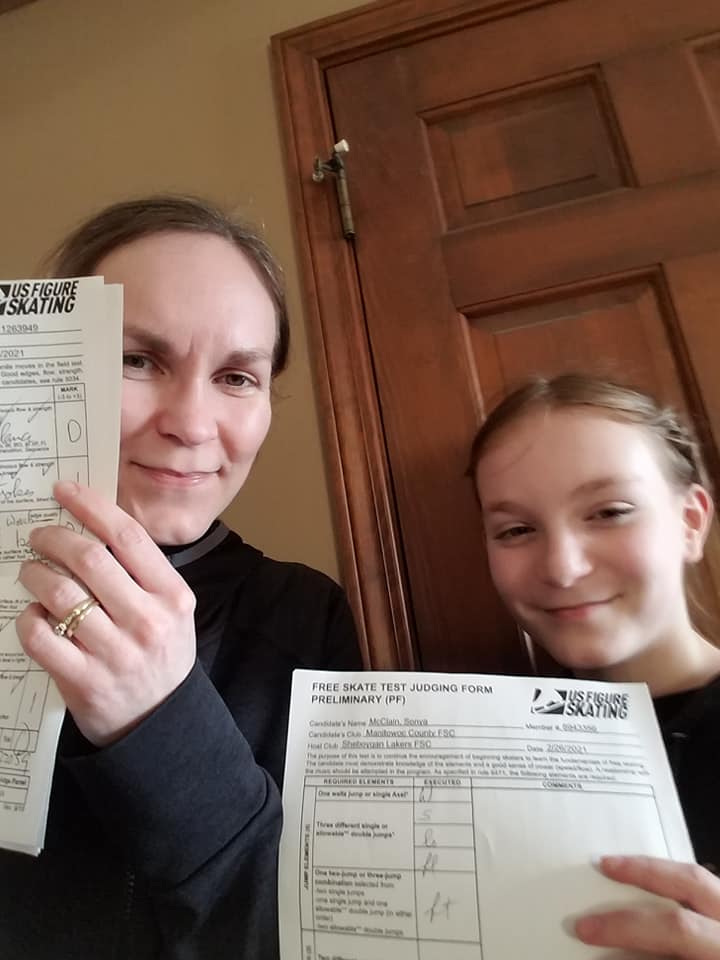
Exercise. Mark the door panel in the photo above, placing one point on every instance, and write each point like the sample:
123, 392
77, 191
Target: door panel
622, 329
531, 147
535, 193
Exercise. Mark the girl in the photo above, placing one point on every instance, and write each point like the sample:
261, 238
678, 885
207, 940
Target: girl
594, 502
165, 809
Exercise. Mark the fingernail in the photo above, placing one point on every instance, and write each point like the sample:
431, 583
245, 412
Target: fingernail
66, 488
587, 928
604, 863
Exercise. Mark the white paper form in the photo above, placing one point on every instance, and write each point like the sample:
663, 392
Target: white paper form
456, 817
60, 379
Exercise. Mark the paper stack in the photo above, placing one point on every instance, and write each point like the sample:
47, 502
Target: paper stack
60, 380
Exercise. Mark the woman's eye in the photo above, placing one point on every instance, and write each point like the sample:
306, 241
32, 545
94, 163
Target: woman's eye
237, 380
136, 362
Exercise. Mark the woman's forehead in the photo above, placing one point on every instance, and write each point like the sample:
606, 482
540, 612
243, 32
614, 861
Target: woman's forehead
183, 285
176, 256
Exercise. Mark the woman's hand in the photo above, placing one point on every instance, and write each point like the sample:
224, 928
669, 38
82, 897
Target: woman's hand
131, 651
689, 929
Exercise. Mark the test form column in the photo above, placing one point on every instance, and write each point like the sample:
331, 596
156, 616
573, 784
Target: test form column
357, 883
445, 886
71, 432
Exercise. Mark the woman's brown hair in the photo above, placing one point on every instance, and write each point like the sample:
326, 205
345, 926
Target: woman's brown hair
80, 252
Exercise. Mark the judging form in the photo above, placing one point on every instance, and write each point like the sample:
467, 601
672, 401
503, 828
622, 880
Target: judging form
456, 817
60, 380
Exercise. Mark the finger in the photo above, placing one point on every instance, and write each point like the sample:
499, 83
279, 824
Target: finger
57, 593
60, 597
678, 933
91, 563
64, 661
688, 883
127, 539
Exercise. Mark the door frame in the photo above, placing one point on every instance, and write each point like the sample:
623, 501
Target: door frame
361, 489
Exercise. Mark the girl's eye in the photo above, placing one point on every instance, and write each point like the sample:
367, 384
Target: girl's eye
613, 512
513, 533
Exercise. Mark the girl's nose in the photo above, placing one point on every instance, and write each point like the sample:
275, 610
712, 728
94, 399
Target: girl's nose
566, 560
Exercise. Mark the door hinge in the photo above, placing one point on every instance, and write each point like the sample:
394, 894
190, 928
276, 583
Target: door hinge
336, 166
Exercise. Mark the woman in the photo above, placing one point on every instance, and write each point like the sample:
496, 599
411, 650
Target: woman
594, 502
165, 810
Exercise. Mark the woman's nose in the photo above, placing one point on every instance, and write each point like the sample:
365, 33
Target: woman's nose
566, 559
186, 412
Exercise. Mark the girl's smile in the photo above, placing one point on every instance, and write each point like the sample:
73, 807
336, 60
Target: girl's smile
578, 611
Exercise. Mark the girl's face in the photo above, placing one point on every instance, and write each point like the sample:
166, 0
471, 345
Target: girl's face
198, 335
587, 538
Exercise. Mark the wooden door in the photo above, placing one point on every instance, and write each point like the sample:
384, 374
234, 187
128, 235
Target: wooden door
535, 190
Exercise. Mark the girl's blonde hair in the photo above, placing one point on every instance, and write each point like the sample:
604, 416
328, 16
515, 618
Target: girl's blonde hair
675, 438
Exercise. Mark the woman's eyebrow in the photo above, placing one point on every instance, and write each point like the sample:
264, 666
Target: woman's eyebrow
241, 358
162, 347
148, 341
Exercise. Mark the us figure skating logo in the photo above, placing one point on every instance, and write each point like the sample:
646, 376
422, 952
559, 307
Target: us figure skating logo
581, 702
23, 298
549, 700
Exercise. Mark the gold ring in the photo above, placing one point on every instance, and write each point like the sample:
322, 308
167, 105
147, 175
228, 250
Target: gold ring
74, 624
69, 624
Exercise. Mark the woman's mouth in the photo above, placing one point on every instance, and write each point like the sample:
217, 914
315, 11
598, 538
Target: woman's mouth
178, 478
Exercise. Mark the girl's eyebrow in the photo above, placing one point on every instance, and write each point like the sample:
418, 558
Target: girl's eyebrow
603, 483
163, 348
591, 486
503, 506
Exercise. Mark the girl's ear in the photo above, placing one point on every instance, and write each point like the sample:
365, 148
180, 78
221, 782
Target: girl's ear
697, 516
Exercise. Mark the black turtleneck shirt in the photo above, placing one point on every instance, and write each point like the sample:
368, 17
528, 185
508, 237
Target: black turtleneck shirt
164, 844
690, 723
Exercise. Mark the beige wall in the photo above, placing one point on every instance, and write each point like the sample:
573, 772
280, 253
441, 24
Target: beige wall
102, 99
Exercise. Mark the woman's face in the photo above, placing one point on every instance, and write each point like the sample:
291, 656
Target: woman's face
199, 332
587, 539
